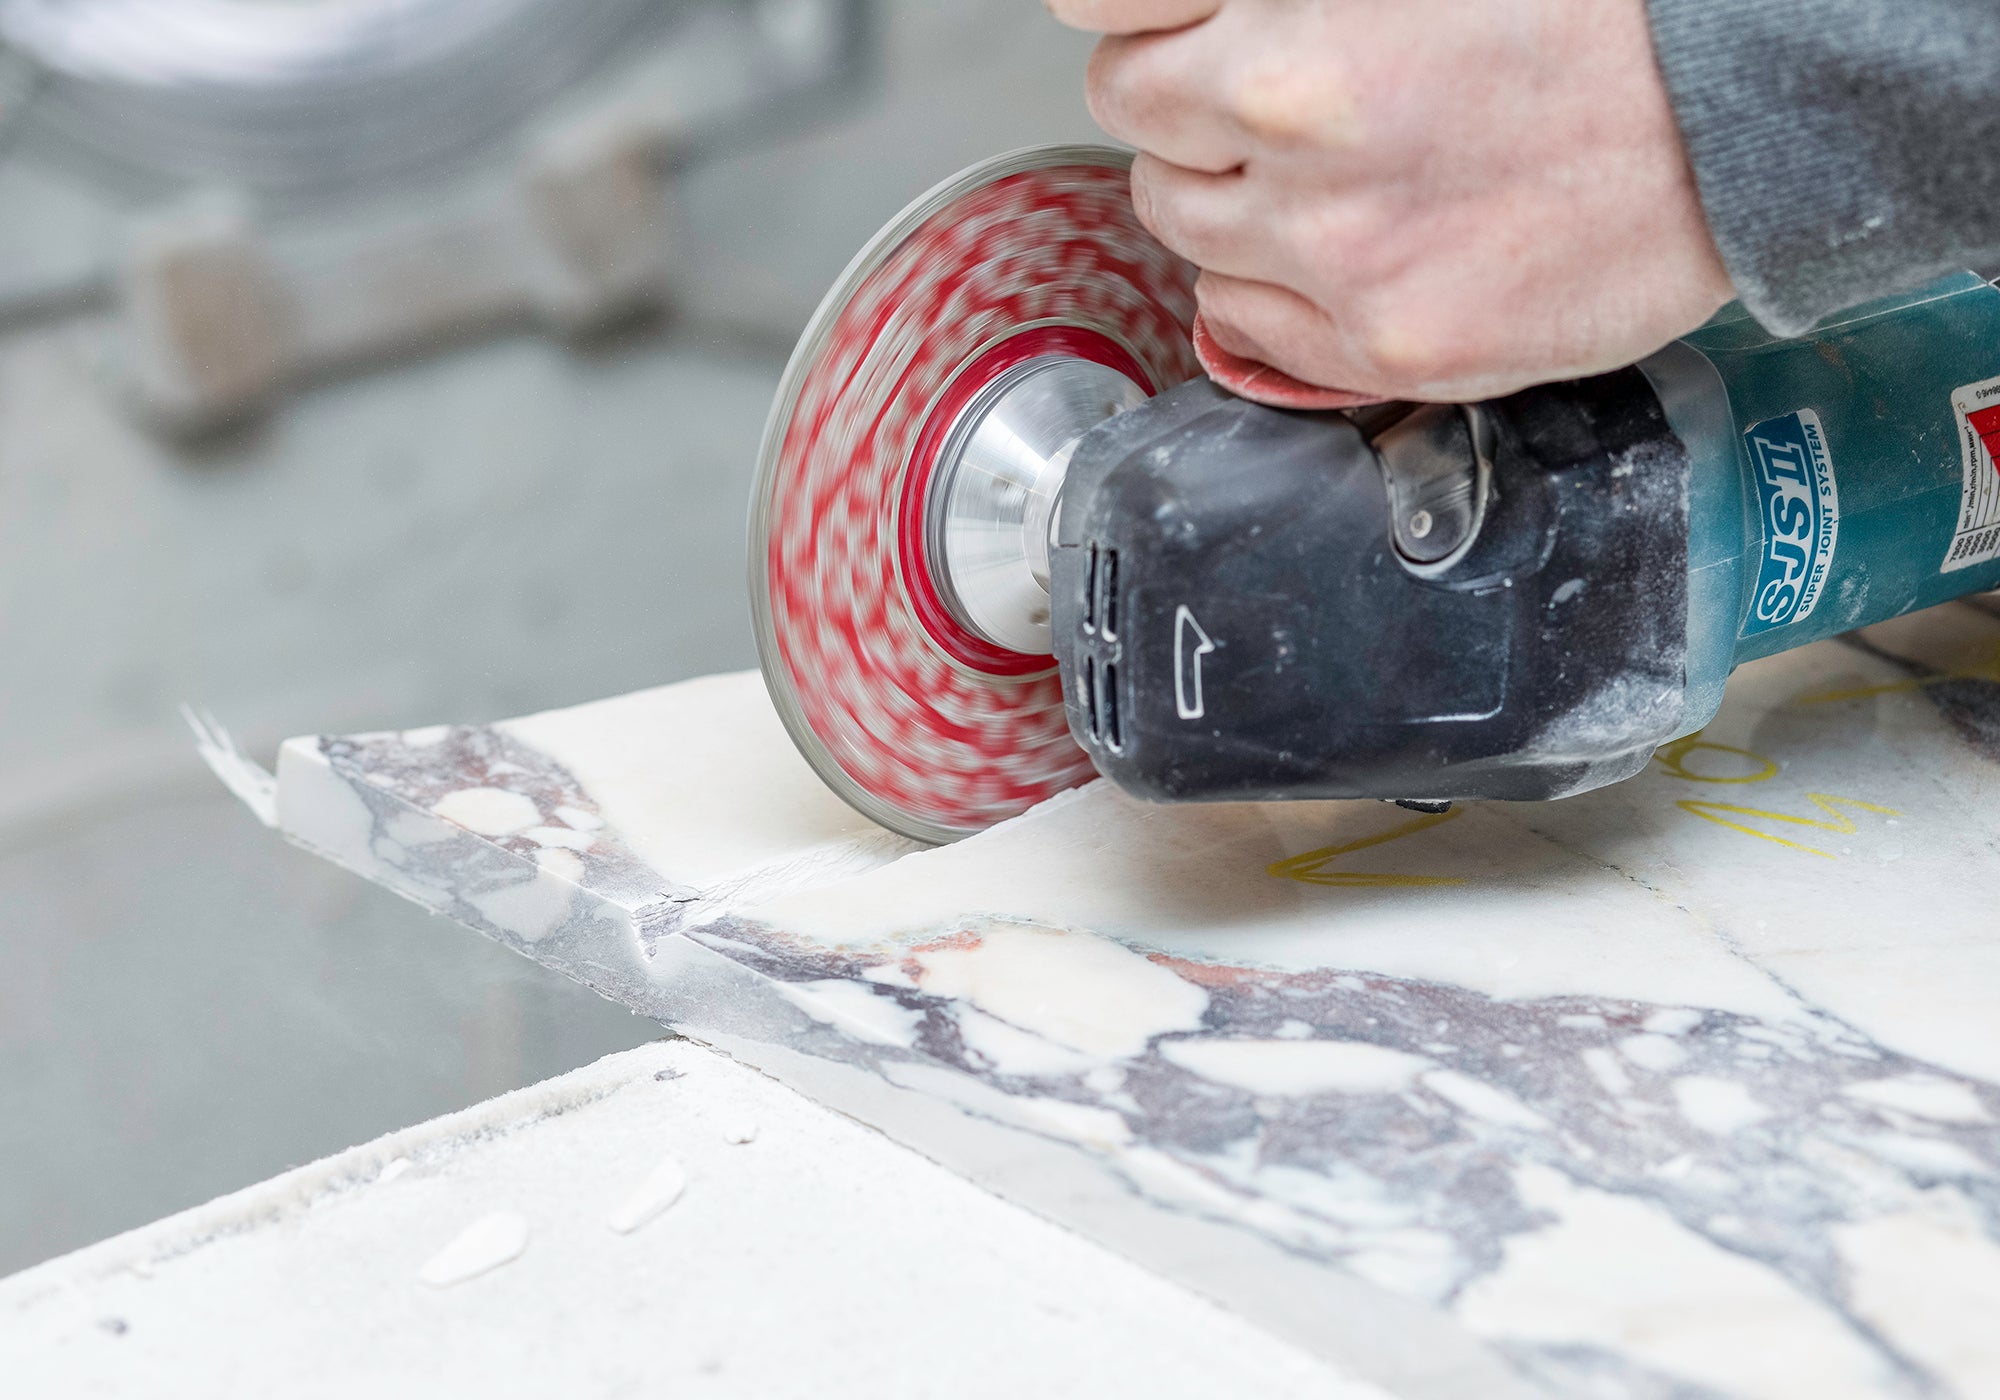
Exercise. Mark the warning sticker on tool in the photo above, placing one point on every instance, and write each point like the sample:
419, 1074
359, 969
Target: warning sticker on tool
1978, 537
1800, 511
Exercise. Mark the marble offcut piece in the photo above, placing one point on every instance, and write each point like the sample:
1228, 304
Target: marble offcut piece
1687, 1087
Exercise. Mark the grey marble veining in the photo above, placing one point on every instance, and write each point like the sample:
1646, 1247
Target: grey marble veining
1687, 1088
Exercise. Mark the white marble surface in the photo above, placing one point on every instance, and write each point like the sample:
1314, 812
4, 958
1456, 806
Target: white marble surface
527, 1247
1688, 1087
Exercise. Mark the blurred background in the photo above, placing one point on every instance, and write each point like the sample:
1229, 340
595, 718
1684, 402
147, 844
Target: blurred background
367, 364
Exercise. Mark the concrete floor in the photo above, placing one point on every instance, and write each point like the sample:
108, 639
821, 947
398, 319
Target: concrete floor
497, 528
192, 1005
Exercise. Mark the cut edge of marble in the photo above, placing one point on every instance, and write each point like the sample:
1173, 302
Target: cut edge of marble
767, 827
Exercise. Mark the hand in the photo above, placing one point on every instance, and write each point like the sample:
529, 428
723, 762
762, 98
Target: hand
1421, 199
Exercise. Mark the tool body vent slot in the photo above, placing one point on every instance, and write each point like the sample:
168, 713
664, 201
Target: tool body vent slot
1090, 589
1107, 593
1100, 703
1107, 691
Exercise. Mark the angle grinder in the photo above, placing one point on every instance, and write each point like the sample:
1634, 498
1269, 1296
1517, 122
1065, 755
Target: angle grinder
1007, 535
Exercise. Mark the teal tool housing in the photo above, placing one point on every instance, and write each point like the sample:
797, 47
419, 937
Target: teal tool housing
1837, 479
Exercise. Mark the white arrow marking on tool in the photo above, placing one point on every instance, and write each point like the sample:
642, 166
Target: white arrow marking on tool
1187, 664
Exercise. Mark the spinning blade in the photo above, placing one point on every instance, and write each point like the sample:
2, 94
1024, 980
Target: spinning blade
904, 710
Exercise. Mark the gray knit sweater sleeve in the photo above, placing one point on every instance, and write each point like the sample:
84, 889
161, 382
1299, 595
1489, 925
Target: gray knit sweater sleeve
1845, 149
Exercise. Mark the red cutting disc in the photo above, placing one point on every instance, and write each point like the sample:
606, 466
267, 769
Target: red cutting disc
909, 717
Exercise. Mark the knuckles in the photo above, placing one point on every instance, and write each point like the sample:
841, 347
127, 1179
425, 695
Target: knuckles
1404, 350
1409, 339
1234, 82
1127, 96
1145, 199
1108, 87
1135, 91
1189, 226
1288, 101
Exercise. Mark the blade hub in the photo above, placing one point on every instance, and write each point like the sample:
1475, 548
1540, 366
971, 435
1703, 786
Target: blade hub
986, 483
992, 500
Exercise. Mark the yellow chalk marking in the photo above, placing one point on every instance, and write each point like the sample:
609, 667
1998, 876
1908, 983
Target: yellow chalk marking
1989, 670
1310, 868
1829, 804
1674, 756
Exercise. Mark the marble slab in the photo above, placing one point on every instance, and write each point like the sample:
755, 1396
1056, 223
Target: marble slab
662, 1223
1685, 1088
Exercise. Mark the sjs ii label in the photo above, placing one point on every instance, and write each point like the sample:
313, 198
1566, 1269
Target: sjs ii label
1977, 538
1800, 511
